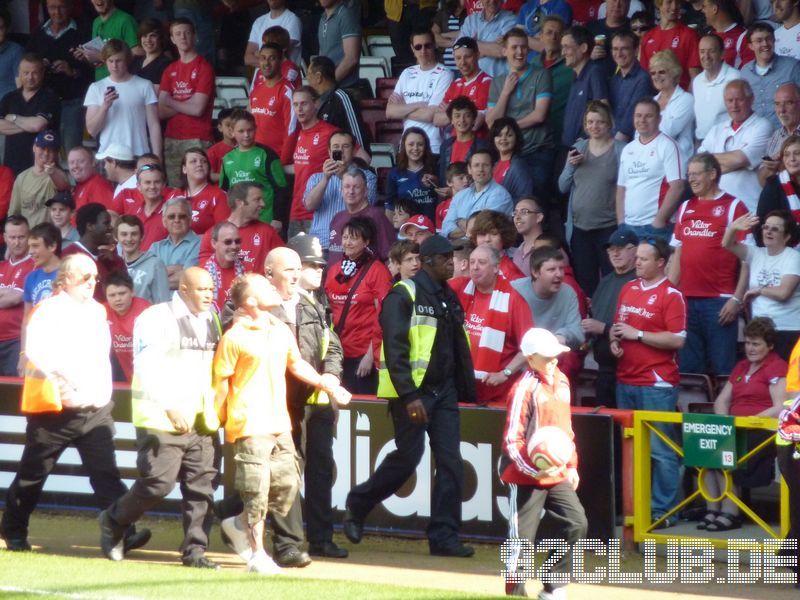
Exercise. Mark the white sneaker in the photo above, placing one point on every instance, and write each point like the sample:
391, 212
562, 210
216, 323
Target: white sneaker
262, 564
559, 593
237, 540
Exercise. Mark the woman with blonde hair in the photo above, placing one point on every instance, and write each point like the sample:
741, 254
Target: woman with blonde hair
589, 176
677, 105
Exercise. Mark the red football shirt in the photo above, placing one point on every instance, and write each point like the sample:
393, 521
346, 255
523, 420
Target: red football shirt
361, 326
476, 89
94, 189
12, 275
122, 334
441, 213
750, 395
257, 240
737, 51
460, 151
683, 42
272, 109
181, 81
657, 307
215, 155
205, 206
501, 168
154, 229
707, 269
310, 152
289, 71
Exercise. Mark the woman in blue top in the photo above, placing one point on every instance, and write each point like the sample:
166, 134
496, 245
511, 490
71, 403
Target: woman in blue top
413, 177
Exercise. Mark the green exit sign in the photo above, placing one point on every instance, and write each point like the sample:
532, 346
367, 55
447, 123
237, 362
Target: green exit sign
709, 441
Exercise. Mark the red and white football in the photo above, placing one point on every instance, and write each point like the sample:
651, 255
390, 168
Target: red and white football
549, 449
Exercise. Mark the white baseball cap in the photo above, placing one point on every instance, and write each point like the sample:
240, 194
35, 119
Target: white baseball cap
542, 342
117, 152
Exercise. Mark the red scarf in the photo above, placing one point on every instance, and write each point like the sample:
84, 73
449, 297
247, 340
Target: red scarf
486, 356
791, 194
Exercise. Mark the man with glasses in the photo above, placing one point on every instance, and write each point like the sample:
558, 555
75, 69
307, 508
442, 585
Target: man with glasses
710, 278
787, 108
647, 162
180, 249
488, 27
472, 83
629, 83
246, 201
421, 89
224, 265
648, 331
738, 144
66, 403
528, 218
768, 71
621, 249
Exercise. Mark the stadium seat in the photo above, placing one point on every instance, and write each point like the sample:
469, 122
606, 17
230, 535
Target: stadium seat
383, 50
240, 103
372, 111
384, 87
224, 86
389, 132
694, 388
219, 104
382, 155
379, 40
584, 393
371, 69
229, 94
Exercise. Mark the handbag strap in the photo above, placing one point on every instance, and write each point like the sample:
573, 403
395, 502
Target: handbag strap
339, 327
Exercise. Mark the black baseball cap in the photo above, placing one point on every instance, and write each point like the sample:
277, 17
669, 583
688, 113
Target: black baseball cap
436, 244
64, 198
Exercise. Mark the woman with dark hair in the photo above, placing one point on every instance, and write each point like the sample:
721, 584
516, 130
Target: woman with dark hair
511, 170
774, 273
756, 387
153, 40
782, 190
414, 176
209, 202
496, 230
589, 176
355, 287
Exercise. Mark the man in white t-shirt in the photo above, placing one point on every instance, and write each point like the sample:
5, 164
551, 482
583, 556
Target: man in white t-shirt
708, 86
280, 16
421, 89
739, 143
646, 163
787, 36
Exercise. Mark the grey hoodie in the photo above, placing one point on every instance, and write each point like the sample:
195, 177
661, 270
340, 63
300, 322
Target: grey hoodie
149, 278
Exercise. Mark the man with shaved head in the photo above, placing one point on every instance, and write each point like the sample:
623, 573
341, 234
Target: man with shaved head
66, 403
173, 411
296, 273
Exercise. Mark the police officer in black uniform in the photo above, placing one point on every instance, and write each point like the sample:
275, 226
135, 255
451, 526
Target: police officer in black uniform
430, 406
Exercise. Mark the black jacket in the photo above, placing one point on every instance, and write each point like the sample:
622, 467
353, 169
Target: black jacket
447, 148
450, 358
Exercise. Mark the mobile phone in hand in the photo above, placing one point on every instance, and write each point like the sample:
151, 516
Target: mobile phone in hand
336, 155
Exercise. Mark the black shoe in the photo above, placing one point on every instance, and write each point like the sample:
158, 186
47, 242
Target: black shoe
111, 537
456, 549
135, 539
199, 561
17, 544
293, 558
353, 527
328, 550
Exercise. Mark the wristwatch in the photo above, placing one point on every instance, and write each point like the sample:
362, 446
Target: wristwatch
507, 372
12, 118
640, 336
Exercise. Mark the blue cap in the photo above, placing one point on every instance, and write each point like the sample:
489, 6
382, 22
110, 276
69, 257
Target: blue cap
623, 236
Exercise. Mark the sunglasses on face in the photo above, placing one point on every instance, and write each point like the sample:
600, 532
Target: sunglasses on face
236, 241
177, 217
640, 29
425, 46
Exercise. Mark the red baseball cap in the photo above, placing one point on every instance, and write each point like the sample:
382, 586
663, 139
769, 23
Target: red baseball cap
420, 221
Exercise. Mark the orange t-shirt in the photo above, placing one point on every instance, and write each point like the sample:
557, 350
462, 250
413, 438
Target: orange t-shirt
253, 356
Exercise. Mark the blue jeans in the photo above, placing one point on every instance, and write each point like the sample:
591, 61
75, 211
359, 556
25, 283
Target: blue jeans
710, 347
646, 231
666, 474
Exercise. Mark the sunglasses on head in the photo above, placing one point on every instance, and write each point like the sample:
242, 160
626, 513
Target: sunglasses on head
144, 168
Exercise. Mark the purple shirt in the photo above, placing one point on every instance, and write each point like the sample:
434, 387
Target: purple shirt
384, 238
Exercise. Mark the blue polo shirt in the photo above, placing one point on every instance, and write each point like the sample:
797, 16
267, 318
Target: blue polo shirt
590, 84
532, 12
493, 197
624, 92
477, 27
183, 253
783, 69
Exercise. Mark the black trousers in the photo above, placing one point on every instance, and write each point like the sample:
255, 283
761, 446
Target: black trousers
165, 459
525, 505
312, 428
443, 429
47, 435
589, 256
790, 470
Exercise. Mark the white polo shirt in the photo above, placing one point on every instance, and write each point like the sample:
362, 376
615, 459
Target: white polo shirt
677, 121
787, 41
709, 105
416, 85
751, 138
645, 171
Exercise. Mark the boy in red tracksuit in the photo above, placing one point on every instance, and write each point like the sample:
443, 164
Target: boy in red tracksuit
539, 399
